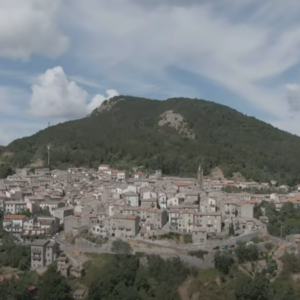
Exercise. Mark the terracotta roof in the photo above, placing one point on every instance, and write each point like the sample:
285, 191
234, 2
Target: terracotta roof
14, 217
182, 184
254, 201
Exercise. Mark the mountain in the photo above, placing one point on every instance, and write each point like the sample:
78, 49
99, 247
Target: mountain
175, 135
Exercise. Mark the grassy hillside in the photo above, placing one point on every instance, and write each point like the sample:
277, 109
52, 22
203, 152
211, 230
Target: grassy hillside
128, 134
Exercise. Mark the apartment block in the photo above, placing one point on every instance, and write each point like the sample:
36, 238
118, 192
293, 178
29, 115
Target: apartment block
43, 253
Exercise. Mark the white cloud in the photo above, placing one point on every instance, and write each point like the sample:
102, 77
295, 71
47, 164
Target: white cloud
237, 45
84, 81
98, 99
30, 26
55, 96
293, 97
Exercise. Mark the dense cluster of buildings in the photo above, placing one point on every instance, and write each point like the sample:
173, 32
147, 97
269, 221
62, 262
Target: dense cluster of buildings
114, 203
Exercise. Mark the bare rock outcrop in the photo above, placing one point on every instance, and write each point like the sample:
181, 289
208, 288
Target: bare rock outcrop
176, 121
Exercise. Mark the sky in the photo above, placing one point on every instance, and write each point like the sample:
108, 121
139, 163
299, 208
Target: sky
60, 59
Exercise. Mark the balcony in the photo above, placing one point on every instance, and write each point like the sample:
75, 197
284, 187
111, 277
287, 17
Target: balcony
36, 251
36, 258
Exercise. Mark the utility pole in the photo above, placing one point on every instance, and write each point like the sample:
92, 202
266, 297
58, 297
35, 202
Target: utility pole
48, 147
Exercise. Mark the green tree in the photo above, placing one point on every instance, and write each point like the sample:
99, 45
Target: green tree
223, 261
14, 289
269, 246
289, 294
256, 289
53, 286
121, 247
5, 170
231, 229
26, 213
246, 253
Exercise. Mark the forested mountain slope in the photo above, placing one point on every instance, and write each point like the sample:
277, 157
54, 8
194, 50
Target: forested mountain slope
175, 135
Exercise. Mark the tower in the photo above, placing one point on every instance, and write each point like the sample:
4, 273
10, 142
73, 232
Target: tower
158, 174
200, 175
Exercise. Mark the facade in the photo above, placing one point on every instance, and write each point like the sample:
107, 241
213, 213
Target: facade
156, 217
52, 205
124, 226
149, 203
40, 226
122, 175
199, 236
14, 224
63, 212
43, 253
131, 198
103, 167
15, 207
186, 221
211, 221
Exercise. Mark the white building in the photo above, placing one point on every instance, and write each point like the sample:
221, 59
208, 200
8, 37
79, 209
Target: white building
103, 167
14, 224
15, 207
131, 199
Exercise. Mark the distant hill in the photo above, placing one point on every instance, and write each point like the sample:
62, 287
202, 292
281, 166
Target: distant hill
175, 135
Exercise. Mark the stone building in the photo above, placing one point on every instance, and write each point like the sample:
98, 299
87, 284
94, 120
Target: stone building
43, 253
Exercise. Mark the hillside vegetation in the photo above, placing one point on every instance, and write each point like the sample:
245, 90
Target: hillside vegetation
175, 135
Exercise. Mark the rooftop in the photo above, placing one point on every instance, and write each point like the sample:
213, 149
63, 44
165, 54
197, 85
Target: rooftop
14, 217
40, 243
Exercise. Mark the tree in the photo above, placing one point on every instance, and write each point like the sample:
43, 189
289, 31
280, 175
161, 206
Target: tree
289, 294
246, 253
132, 138
13, 289
121, 247
257, 212
256, 289
53, 286
269, 246
26, 213
231, 229
5, 170
223, 261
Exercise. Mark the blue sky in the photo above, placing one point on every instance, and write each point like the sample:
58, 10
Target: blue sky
59, 59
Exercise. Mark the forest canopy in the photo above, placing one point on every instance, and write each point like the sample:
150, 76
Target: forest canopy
128, 134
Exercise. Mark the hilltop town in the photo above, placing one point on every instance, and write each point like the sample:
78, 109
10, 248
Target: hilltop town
109, 204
